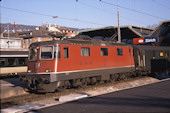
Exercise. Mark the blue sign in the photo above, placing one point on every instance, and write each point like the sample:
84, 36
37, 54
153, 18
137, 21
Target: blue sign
151, 39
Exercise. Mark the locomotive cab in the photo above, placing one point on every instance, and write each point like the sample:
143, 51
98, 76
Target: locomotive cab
42, 59
42, 64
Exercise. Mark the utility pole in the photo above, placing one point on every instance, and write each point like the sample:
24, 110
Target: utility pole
118, 28
8, 34
8, 29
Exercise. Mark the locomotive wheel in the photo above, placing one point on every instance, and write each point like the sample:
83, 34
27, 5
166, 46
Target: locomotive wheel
77, 83
87, 80
112, 78
67, 84
64, 85
62, 88
118, 76
83, 83
93, 81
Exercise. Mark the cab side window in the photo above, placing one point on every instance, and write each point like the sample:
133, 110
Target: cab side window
85, 51
119, 52
104, 51
47, 52
66, 54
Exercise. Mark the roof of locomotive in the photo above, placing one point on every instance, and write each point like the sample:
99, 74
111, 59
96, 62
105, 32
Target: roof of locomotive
80, 42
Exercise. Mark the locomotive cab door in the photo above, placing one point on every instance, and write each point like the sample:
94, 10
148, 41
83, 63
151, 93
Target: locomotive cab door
141, 59
47, 61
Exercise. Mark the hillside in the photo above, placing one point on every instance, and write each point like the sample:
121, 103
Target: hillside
4, 26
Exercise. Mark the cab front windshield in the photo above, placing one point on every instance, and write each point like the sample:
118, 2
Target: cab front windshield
46, 53
49, 52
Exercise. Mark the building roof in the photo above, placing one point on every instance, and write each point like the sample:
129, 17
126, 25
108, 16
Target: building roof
39, 33
127, 32
163, 32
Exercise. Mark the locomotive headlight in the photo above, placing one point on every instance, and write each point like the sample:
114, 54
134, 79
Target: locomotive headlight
29, 71
47, 70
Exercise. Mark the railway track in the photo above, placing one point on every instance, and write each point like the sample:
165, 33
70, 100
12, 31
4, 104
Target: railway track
8, 76
32, 97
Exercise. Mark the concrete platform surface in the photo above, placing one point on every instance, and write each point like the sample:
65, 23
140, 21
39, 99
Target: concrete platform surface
72, 97
152, 98
11, 87
21, 109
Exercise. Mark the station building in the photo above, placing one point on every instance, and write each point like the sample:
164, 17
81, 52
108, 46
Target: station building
128, 33
110, 33
163, 33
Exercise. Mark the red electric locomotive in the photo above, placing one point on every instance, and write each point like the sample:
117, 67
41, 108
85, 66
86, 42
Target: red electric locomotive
57, 65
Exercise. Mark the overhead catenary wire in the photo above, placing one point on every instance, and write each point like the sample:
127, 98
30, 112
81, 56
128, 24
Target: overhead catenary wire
84, 21
134, 10
36, 13
165, 6
109, 12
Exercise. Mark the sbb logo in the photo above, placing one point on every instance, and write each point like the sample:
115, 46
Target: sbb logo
145, 40
138, 41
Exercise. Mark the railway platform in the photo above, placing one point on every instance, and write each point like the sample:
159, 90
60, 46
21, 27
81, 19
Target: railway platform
11, 87
148, 98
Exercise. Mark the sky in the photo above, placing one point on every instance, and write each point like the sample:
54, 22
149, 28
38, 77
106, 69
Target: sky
85, 13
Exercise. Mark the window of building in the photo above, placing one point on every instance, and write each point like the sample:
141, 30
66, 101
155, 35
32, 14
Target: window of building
11, 62
47, 52
119, 51
161, 54
66, 52
33, 53
21, 61
39, 39
2, 62
166, 54
24, 45
104, 52
31, 41
27, 44
85, 51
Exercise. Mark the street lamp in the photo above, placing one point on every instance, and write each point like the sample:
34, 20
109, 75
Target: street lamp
54, 17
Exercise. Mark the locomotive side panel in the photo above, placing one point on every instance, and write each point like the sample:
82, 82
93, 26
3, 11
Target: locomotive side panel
94, 58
